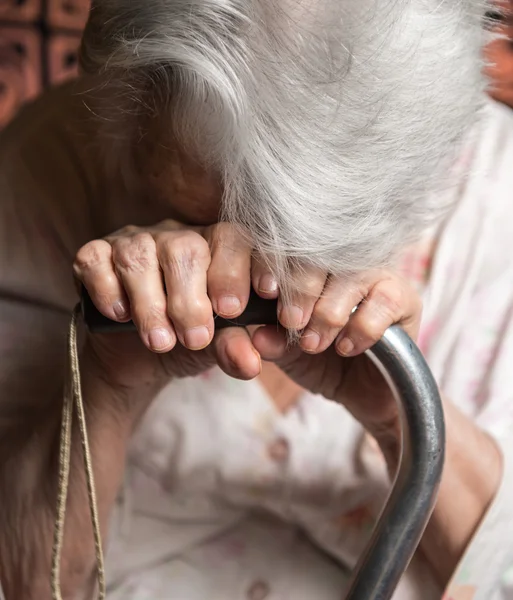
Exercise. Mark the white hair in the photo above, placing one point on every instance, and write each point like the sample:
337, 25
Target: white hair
333, 124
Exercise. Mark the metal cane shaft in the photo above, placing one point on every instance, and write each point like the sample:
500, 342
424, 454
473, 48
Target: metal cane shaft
411, 501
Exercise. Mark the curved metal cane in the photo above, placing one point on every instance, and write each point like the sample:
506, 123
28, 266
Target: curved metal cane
408, 508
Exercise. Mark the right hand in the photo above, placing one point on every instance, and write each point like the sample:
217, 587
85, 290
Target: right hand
203, 270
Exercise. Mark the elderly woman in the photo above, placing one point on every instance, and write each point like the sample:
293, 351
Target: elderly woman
211, 146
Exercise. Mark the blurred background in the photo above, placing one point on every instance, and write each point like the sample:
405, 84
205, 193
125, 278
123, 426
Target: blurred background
38, 47
499, 53
39, 41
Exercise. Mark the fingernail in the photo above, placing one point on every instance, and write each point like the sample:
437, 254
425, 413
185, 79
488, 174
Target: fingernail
310, 340
120, 309
345, 347
292, 316
160, 339
228, 306
267, 284
197, 338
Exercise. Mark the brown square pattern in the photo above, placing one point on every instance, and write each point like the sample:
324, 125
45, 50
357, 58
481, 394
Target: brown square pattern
20, 10
62, 58
68, 14
20, 69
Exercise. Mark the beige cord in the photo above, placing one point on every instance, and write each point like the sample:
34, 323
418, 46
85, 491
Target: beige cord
73, 400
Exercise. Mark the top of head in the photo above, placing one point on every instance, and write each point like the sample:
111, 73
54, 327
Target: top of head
333, 124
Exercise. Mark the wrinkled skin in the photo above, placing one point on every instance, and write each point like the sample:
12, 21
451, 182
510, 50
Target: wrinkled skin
210, 269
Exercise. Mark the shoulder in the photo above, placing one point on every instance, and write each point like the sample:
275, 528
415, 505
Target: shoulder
491, 191
484, 205
47, 189
495, 145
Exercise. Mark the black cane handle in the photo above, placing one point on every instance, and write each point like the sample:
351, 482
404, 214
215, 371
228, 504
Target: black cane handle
258, 312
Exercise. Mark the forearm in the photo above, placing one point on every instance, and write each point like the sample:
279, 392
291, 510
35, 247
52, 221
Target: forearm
29, 489
471, 478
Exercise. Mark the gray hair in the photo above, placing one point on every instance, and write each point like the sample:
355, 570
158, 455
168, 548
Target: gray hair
333, 124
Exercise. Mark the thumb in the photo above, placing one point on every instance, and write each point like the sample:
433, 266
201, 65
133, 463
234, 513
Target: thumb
273, 346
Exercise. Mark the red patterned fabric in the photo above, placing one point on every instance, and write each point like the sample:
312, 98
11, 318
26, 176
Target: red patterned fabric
38, 47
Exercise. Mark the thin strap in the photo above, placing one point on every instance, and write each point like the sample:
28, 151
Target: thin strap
73, 400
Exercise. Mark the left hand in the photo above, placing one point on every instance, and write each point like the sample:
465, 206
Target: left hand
339, 371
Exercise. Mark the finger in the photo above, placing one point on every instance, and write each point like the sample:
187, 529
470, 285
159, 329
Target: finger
264, 282
228, 277
184, 257
331, 312
389, 301
136, 263
271, 343
94, 268
236, 354
295, 310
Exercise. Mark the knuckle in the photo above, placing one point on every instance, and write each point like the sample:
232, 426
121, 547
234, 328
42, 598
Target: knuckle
223, 230
379, 312
187, 251
332, 317
91, 255
157, 309
229, 279
355, 286
136, 254
370, 330
129, 230
388, 298
228, 237
170, 225
310, 287
365, 330
149, 316
191, 309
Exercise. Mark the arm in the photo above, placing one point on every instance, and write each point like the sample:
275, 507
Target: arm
473, 469
49, 205
474, 490
472, 476
31, 392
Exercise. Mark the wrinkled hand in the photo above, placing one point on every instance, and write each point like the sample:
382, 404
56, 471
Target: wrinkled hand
340, 371
170, 279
